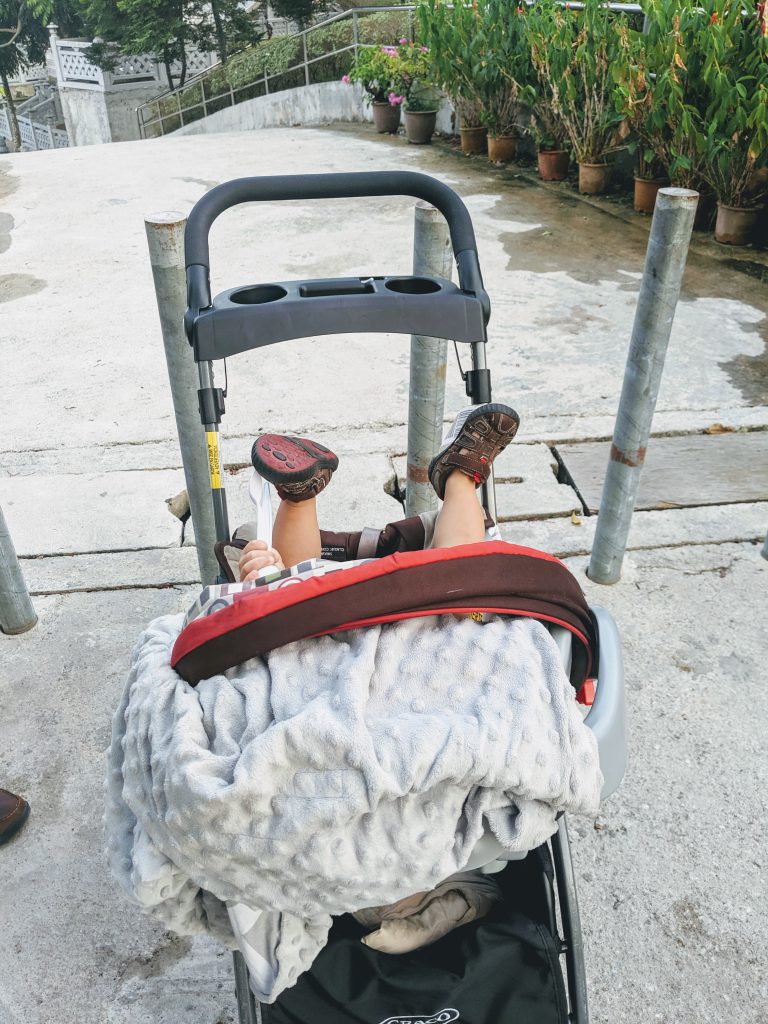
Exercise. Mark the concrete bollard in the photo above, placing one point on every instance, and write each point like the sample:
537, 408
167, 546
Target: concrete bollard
165, 236
432, 257
16, 612
659, 291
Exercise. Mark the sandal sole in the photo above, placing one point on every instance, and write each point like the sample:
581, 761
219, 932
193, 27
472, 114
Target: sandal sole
290, 460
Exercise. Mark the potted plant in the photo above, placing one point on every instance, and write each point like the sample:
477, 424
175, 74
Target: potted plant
734, 47
659, 84
506, 75
573, 54
418, 92
709, 66
645, 117
552, 155
649, 178
376, 68
455, 47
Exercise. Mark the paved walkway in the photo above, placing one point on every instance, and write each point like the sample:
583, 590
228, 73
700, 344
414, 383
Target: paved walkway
670, 875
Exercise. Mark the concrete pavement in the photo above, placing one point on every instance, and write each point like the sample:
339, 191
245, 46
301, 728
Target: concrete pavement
671, 888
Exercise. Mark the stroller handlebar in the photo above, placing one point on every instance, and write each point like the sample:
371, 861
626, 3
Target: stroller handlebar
329, 186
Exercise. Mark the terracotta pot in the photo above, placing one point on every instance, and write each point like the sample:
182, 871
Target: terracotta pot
473, 140
502, 148
553, 164
735, 225
386, 118
593, 178
645, 193
419, 126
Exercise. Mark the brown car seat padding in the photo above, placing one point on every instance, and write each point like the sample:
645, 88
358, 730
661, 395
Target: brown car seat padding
490, 576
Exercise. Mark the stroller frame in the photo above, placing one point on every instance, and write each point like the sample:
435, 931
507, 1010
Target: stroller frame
255, 316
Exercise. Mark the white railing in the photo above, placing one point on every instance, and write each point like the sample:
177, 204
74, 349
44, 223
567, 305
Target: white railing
72, 69
33, 134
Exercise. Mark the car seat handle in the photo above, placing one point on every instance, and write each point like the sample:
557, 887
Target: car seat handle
329, 186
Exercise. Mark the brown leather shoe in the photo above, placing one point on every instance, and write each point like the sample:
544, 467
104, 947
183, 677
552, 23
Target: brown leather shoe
13, 813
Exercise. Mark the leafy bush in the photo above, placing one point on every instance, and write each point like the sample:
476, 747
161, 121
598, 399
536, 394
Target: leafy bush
575, 55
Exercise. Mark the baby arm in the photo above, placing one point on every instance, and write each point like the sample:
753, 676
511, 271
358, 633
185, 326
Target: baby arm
255, 557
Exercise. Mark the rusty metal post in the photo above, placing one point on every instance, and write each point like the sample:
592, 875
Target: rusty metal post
165, 236
16, 612
659, 291
432, 257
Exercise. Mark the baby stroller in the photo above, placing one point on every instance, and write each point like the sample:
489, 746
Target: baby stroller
507, 967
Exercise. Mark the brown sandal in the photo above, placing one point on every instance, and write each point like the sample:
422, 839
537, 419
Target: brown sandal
478, 435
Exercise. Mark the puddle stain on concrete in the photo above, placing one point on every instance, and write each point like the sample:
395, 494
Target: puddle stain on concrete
13, 286
603, 248
19, 286
6, 227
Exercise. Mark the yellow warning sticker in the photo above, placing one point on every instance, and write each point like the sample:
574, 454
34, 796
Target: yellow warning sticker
214, 463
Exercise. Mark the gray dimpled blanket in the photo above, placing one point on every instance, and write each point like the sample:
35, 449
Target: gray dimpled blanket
333, 774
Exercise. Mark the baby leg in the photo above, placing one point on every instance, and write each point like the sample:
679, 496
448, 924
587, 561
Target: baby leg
296, 534
461, 519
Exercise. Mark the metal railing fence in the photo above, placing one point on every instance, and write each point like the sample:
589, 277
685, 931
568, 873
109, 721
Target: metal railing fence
218, 88
215, 90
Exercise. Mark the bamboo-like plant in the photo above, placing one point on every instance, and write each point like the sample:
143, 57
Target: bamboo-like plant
573, 54
456, 46
733, 46
695, 89
506, 72
661, 94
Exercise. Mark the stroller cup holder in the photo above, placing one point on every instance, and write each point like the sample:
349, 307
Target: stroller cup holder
252, 316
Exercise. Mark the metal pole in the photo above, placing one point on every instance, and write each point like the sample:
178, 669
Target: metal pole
659, 290
16, 612
432, 256
306, 57
165, 236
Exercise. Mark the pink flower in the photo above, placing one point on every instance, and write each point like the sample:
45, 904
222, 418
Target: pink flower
394, 99
345, 79
403, 41
390, 51
424, 49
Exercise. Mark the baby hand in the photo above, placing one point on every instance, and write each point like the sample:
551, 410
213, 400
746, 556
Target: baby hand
256, 556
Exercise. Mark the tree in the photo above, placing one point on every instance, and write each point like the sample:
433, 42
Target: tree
24, 42
16, 15
300, 11
165, 28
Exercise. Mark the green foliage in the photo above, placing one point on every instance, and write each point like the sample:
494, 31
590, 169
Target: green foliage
481, 58
506, 73
26, 41
457, 48
396, 74
695, 89
272, 57
300, 11
574, 54
164, 28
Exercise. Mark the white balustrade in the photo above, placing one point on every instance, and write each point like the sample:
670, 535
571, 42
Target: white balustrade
33, 134
73, 69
